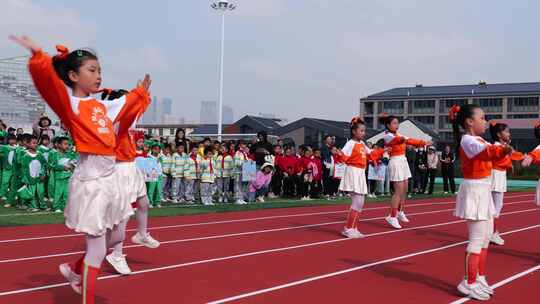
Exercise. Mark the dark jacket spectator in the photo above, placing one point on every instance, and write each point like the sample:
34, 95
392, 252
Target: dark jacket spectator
261, 148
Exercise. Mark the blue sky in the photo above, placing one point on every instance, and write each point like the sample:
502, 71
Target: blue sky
295, 58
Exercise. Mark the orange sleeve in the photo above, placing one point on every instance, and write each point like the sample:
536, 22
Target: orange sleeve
490, 153
415, 142
376, 154
136, 103
535, 154
50, 86
397, 140
517, 156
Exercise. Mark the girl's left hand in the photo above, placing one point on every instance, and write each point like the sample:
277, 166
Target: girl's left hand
527, 161
145, 83
25, 42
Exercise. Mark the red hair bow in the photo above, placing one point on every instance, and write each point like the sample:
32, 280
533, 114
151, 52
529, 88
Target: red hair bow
383, 115
493, 123
357, 120
62, 50
453, 112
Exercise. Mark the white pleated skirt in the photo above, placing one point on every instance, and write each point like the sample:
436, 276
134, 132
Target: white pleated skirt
132, 185
96, 204
398, 169
474, 200
354, 180
498, 181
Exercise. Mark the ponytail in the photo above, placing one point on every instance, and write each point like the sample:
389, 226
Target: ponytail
457, 115
65, 62
108, 94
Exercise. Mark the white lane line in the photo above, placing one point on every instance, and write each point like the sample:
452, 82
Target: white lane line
503, 282
224, 236
237, 221
255, 253
337, 273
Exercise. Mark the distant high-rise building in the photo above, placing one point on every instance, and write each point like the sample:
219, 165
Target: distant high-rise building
166, 106
228, 115
209, 112
151, 114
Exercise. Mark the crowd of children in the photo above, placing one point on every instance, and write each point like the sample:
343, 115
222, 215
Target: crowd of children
36, 171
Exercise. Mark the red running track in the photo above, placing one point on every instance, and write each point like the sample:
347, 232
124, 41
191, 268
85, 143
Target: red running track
265, 256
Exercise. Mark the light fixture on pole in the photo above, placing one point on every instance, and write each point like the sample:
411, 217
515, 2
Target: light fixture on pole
223, 6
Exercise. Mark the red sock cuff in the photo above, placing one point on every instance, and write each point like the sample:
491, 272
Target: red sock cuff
89, 279
77, 266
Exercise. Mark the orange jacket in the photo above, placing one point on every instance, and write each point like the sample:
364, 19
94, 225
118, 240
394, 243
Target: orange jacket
89, 121
505, 163
398, 143
477, 156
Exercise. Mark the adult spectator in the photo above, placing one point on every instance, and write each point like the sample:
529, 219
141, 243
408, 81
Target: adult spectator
326, 157
410, 154
432, 163
43, 127
420, 170
180, 137
19, 132
447, 169
261, 148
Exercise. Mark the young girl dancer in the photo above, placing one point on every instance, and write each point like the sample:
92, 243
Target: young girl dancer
398, 168
355, 156
474, 202
93, 207
500, 133
134, 186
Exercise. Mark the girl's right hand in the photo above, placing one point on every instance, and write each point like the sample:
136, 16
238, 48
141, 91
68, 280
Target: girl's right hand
145, 83
527, 161
25, 42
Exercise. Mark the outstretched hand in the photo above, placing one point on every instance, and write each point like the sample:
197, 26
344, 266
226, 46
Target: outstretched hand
25, 42
145, 83
507, 149
527, 161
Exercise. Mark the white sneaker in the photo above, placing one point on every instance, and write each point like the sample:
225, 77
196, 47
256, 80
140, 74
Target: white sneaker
445, 192
485, 286
147, 241
496, 239
220, 200
241, 202
73, 278
260, 199
402, 217
118, 262
359, 233
210, 203
351, 233
159, 206
58, 211
393, 221
151, 206
272, 195
474, 291
7, 205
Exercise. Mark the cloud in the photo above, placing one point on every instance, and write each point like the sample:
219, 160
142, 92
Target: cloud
48, 26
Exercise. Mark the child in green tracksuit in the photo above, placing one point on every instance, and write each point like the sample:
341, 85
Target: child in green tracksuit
7, 152
154, 187
208, 176
33, 176
45, 150
62, 163
15, 185
166, 159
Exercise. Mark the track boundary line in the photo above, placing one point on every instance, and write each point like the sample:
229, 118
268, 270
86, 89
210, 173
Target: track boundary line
337, 273
281, 249
238, 220
230, 235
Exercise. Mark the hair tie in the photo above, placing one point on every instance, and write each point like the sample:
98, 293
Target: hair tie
63, 52
383, 115
357, 120
452, 114
493, 123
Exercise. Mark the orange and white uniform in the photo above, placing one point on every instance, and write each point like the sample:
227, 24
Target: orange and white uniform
355, 154
398, 168
94, 205
535, 154
474, 201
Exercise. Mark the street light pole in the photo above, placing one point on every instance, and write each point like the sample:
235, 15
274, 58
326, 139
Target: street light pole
223, 6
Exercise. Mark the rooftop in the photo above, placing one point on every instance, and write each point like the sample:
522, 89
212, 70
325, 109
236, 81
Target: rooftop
475, 90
